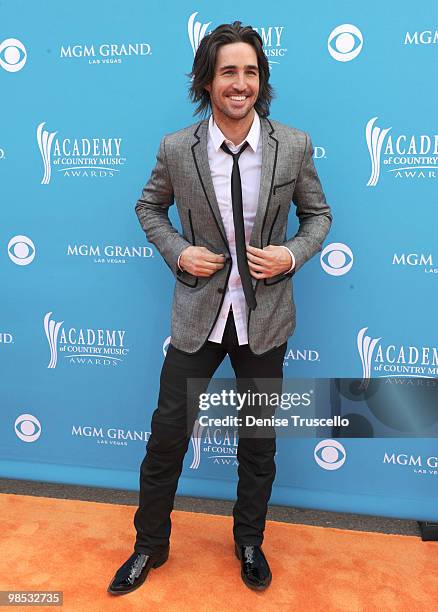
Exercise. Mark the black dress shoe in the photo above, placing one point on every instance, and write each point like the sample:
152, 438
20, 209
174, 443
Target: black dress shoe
134, 571
255, 570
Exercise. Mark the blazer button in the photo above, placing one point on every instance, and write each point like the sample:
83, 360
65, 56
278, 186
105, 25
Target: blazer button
221, 290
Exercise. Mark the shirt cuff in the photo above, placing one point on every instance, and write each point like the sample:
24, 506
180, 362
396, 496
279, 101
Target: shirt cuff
182, 269
293, 259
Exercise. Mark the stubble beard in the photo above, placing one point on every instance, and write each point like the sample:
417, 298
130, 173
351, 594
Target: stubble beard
224, 111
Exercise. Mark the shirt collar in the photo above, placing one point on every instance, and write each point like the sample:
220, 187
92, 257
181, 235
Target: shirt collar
218, 138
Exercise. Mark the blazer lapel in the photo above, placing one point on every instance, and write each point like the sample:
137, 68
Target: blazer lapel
200, 158
269, 162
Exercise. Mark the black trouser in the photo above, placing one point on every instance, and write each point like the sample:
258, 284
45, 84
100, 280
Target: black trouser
170, 437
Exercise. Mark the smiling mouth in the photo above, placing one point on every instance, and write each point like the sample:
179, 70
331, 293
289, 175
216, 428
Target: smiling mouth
238, 98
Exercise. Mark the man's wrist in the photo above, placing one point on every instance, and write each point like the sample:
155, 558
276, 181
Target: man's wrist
292, 259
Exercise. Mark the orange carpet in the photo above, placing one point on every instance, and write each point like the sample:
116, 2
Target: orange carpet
76, 547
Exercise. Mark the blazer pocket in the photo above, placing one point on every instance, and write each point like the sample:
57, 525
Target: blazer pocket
283, 186
185, 277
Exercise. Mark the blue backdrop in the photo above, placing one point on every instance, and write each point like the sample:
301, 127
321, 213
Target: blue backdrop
88, 90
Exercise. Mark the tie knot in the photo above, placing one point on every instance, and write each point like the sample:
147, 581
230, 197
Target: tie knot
235, 156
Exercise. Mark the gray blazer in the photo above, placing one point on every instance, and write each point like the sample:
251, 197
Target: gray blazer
182, 173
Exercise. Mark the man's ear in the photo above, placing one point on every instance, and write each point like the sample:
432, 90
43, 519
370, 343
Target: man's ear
208, 88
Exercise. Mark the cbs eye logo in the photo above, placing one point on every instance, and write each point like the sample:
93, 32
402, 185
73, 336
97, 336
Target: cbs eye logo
21, 250
345, 42
13, 55
330, 454
336, 259
27, 427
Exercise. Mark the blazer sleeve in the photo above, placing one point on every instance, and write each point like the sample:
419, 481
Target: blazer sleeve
152, 210
312, 211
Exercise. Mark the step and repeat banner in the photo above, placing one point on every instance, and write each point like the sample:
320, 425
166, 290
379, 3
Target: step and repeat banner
87, 92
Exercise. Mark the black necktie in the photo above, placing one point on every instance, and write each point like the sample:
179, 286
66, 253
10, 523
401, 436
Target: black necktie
239, 227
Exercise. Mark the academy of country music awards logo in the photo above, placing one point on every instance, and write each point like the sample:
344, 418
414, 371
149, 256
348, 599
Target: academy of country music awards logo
84, 346
13, 55
405, 156
105, 53
388, 360
219, 445
271, 36
78, 157
109, 253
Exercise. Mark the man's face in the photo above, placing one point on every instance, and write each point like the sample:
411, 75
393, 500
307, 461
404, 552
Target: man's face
235, 86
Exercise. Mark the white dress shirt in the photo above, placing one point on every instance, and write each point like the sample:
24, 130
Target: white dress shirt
221, 165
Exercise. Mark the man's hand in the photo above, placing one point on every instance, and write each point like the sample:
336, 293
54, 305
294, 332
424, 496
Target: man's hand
199, 261
267, 262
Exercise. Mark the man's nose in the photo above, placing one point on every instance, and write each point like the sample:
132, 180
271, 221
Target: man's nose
240, 81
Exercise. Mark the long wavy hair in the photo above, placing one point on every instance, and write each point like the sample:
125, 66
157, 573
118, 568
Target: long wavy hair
204, 65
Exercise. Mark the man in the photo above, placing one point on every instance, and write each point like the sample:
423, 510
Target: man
233, 178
